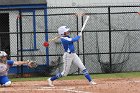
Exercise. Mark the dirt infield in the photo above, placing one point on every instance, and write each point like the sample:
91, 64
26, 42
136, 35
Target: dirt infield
129, 85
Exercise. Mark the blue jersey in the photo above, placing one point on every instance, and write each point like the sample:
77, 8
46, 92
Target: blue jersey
67, 43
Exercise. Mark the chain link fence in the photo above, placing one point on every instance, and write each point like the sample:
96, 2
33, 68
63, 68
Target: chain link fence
110, 41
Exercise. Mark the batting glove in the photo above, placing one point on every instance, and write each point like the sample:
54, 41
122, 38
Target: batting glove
80, 34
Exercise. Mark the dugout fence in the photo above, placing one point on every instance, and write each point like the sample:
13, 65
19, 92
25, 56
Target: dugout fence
110, 41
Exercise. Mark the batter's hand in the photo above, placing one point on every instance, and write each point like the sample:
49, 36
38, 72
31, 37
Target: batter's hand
80, 34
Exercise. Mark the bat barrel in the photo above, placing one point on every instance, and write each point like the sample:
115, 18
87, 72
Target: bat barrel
85, 22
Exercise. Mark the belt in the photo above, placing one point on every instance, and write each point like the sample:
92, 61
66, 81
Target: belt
70, 52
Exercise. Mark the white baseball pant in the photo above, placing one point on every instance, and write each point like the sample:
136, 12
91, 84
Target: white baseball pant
68, 59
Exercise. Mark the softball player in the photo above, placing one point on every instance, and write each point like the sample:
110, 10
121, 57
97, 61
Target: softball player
69, 56
4, 67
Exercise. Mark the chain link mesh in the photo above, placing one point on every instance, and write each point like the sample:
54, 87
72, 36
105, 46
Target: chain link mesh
110, 41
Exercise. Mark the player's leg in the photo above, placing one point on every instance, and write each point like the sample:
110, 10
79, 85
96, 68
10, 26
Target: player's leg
4, 80
0, 80
67, 59
66, 68
77, 61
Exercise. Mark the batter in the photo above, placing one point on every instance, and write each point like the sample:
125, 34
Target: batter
69, 56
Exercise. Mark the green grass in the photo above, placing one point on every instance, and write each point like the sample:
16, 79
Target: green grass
118, 75
74, 77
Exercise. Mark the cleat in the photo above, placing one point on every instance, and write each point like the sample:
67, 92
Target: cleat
92, 83
50, 83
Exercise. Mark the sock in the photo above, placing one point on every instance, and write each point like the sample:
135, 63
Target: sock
56, 76
85, 72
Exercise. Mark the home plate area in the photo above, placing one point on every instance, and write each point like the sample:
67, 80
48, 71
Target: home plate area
120, 85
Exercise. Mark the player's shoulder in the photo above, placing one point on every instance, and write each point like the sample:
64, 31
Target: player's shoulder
10, 62
66, 38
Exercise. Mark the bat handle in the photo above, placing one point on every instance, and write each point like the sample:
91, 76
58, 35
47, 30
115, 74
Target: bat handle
51, 40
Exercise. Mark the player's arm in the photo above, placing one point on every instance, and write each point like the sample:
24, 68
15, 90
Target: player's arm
70, 40
12, 62
31, 64
20, 62
75, 38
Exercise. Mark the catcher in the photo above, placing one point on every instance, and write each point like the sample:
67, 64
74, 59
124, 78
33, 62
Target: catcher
6, 64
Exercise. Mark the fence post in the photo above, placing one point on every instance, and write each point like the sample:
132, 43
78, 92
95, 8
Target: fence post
21, 45
109, 25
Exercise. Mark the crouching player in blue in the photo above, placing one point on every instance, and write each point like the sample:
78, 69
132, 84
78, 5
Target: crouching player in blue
69, 56
4, 67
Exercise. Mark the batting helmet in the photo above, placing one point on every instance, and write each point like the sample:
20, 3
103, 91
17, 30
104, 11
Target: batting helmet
2, 54
62, 30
